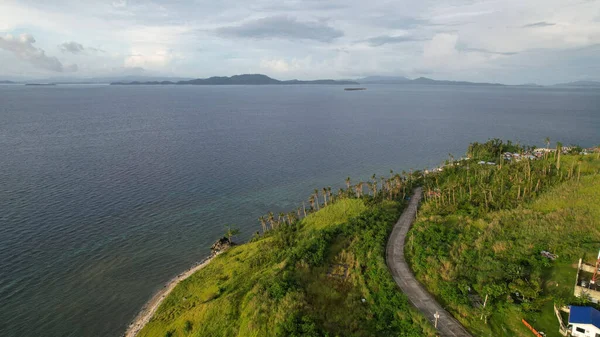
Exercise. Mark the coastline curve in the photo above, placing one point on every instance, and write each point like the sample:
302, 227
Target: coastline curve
148, 310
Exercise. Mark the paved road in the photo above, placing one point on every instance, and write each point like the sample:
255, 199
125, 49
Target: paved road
421, 299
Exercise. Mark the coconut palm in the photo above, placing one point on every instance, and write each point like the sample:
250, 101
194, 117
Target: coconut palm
311, 201
263, 223
325, 196
282, 217
271, 218
317, 198
230, 232
348, 183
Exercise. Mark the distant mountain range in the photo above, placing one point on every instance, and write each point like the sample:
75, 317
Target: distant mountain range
580, 84
246, 79
429, 81
259, 79
420, 80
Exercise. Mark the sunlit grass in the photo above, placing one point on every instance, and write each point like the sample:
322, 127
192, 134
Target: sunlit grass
335, 214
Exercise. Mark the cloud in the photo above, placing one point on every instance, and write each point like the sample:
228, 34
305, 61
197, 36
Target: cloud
77, 48
149, 58
282, 65
385, 39
282, 27
119, 3
22, 47
486, 51
71, 47
539, 24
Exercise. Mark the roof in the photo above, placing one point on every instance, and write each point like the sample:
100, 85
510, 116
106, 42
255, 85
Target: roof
584, 315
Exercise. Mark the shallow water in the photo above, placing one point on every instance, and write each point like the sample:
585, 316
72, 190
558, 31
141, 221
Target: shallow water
107, 192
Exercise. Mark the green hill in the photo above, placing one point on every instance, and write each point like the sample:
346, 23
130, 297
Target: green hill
322, 276
482, 230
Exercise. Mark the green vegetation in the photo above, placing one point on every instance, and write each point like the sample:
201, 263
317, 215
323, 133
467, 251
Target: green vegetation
321, 271
323, 275
482, 228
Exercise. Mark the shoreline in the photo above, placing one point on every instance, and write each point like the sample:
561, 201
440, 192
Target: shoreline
149, 309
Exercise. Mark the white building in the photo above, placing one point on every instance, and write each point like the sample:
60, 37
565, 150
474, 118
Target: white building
584, 322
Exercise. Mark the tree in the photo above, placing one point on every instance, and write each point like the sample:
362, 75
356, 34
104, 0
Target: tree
348, 183
272, 219
263, 223
317, 198
230, 232
281, 217
325, 196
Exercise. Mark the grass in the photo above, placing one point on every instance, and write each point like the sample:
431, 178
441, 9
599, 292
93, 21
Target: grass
324, 276
498, 253
335, 214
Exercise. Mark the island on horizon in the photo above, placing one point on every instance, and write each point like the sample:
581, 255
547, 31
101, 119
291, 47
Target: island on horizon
245, 79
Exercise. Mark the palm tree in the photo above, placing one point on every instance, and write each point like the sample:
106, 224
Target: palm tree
317, 198
348, 183
282, 217
547, 140
271, 217
311, 201
304, 208
231, 232
329, 194
263, 223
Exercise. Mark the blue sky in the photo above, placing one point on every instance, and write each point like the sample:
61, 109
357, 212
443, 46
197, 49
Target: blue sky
508, 41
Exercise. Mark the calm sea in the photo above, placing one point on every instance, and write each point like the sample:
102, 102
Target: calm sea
107, 192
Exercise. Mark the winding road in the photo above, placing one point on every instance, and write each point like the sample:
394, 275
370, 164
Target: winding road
418, 296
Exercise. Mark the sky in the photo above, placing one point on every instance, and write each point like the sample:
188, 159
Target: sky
505, 41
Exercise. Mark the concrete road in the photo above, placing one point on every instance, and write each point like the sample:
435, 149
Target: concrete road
418, 296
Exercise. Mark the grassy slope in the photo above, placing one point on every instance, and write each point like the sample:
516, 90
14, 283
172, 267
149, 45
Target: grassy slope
305, 280
498, 252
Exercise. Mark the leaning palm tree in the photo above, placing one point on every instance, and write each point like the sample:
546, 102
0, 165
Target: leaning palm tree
329, 194
230, 232
263, 223
325, 196
311, 201
348, 183
291, 217
317, 198
304, 208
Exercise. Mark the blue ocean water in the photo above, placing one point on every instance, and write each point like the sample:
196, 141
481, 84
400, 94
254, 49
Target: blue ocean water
109, 191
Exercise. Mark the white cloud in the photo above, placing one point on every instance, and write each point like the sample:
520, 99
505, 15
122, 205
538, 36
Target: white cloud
148, 58
278, 65
341, 39
23, 48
